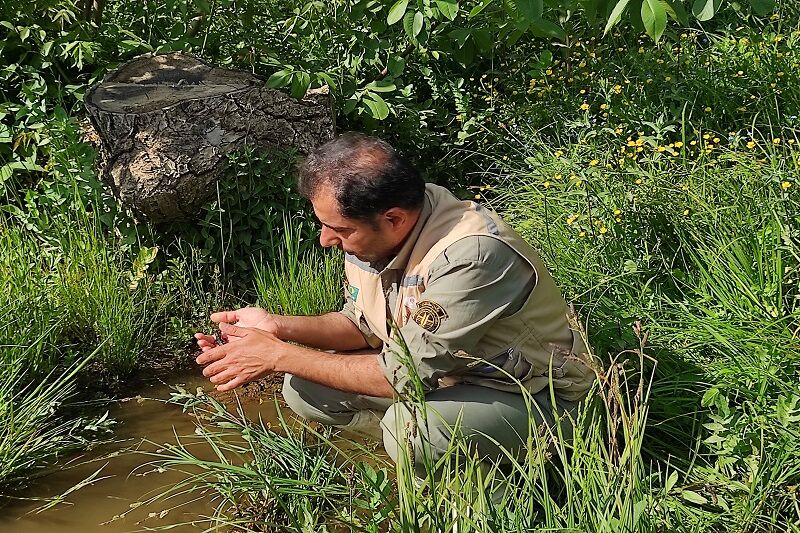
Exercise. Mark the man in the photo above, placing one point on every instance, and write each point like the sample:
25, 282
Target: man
472, 301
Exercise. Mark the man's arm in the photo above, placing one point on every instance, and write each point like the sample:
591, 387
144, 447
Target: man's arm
257, 353
331, 331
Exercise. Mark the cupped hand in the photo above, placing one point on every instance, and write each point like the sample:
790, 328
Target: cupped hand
252, 357
246, 317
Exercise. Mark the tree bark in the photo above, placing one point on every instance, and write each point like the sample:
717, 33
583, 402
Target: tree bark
167, 122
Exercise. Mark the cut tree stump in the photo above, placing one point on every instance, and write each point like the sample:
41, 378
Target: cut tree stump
167, 123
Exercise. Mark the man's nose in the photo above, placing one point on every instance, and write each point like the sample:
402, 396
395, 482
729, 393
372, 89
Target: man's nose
328, 238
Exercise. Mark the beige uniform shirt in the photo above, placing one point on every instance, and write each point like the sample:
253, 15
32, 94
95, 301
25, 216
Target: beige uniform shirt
477, 280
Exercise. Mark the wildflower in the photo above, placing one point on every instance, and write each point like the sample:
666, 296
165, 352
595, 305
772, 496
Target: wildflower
678, 144
661, 149
685, 212
584, 106
477, 196
638, 181
776, 140
582, 234
571, 219
751, 144
603, 106
617, 88
593, 163
546, 184
707, 109
716, 140
693, 143
557, 177
558, 153
785, 185
603, 230
707, 136
618, 131
617, 212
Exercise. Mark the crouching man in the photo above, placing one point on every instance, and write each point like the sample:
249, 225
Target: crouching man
470, 298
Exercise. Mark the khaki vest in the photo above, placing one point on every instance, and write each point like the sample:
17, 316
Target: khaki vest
534, 345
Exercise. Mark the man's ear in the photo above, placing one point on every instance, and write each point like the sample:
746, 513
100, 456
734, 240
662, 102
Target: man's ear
397, 217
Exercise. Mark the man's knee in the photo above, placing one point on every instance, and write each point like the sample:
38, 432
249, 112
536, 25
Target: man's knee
302, 397
421, 440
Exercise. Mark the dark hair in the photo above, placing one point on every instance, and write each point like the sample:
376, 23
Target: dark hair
367, 176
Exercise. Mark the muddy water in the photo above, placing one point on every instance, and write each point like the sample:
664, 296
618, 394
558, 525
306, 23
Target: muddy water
125, 479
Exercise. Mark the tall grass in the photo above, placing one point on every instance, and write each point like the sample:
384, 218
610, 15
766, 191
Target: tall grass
65, 302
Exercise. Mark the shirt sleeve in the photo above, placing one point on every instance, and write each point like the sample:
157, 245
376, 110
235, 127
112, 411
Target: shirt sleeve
349, 310
473, 283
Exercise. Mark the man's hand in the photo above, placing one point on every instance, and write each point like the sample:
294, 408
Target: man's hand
251, 357
246, 317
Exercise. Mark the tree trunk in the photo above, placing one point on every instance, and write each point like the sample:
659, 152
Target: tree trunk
167, 122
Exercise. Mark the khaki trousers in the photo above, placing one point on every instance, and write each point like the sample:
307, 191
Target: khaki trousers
489, 420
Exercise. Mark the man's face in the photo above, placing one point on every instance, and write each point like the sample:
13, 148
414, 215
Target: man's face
368, 242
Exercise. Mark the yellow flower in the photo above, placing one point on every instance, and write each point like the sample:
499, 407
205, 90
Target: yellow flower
558, 153
707, 136
618, 131
678, 144
584, 106
582, 234
776, 140
785, 185
546, 184
477, 196
685, 212
661, 149
617, 88
692, 143
716, 140
603, 106
571, 219
751, 144
603, 230
617, 212
578, 183
593, 163
707, 109
638, 181
557, 177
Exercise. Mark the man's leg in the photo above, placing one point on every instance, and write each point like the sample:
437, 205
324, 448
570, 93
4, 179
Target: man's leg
488, 419
330, 406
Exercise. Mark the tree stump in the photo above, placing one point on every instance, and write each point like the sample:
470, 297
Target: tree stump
167, 122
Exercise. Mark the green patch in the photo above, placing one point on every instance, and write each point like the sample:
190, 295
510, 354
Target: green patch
353, 292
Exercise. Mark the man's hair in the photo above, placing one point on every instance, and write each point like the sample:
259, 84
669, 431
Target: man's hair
367, 176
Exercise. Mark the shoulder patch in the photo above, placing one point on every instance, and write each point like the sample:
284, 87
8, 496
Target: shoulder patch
429, 315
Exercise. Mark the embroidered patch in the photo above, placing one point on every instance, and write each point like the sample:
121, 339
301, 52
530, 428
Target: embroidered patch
353, 292
429, 315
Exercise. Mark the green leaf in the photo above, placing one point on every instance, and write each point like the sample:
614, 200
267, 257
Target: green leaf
616, 15
547, 29
676, 10
377, 106
483, 39
381, 86
530, 10
280, 79
763, 7
654, 18
705, 9
397, 11
671, 481
692, 497
709, 396
448, 8
396, 65
408, 25
300, 83
419, 21
475, 11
